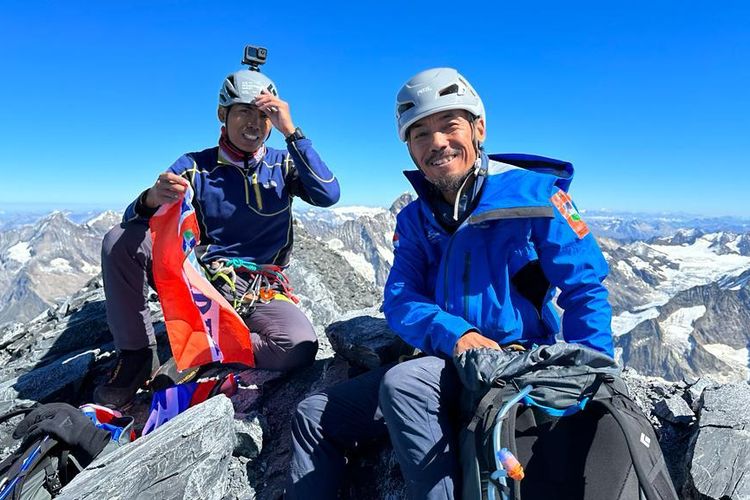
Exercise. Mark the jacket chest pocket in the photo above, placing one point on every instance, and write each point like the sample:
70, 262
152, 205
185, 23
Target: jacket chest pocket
491, 256
265, 194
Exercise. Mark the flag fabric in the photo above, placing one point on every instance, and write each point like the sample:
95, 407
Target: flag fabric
170, 402
568, 210
201, 325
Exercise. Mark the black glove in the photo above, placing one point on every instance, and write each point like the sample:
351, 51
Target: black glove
66, 424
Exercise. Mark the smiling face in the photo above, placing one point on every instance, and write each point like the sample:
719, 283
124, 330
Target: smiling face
442, 145
247, 126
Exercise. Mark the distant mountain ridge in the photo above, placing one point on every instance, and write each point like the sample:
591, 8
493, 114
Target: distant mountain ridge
48, 260
642, 226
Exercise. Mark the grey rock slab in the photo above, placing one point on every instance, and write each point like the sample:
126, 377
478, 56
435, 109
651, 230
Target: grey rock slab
726, 406
721, 459
238, 483
42, 383
249, 432
721, 454
188, 457
11, 333
675, 410
364, 339
695, 391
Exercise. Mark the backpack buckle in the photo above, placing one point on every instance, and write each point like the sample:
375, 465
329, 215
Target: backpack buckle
52, 480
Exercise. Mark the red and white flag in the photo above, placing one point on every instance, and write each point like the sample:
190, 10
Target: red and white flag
202, 326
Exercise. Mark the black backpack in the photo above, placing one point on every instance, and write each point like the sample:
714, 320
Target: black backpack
44, 463
38, 469
562, 415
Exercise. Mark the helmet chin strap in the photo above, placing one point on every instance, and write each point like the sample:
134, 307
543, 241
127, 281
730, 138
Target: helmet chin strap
475, 169
477, 144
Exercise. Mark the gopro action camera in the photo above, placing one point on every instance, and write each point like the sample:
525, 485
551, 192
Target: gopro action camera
254, 57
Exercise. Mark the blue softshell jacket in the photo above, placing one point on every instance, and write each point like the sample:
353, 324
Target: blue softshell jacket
244, 209
442, 285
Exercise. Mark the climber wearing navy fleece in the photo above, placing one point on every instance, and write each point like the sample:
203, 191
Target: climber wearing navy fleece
243, 193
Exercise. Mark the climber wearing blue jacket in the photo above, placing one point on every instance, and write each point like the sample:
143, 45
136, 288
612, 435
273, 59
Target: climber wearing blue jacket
477, 259
496, 272
243, 192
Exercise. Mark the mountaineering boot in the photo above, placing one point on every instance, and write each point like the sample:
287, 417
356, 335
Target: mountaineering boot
132, 370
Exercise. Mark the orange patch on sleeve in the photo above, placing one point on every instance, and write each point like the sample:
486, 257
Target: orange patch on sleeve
565, 206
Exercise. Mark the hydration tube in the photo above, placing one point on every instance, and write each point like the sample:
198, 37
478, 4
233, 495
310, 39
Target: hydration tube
492, 491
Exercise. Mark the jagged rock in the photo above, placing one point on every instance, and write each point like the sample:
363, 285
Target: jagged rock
400, 203
695, 391
11, 333
364, 339
331, 283
721, 453
45, 382
188, 457
238, 483
364, 240
675, 410
249, 431
325, 283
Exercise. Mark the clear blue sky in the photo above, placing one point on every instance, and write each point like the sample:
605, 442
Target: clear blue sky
649, 100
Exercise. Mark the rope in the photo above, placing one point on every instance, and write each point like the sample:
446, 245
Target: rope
265, 282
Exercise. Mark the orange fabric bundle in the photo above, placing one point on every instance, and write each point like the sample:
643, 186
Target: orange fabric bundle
202, 326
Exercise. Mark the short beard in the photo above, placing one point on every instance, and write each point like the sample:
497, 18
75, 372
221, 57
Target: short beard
448, 184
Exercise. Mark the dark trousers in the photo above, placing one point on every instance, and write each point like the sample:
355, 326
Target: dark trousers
415, 403
282, 336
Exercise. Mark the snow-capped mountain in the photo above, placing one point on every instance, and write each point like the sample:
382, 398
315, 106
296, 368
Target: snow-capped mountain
639, 226
104, 221
47, 261
680, 304
362, 235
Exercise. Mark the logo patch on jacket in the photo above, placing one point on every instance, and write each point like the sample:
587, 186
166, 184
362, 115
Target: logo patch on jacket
565, 206
395, 240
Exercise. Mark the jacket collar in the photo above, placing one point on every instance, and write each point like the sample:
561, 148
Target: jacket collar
229, 154
563, 170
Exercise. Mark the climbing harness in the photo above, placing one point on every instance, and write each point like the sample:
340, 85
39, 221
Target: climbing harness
264, 282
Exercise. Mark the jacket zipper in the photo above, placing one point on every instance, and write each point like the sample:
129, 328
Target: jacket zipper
467, 278
244, 179
445, 264
256, 187
445, 271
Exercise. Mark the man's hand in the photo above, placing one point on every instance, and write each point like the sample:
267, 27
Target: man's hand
277, 110
167, 188
473, 340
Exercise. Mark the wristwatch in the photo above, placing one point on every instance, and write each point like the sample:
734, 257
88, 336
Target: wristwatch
295, 136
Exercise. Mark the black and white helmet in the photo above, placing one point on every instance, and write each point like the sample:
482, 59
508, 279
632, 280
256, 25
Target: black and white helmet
431, 91
241, 87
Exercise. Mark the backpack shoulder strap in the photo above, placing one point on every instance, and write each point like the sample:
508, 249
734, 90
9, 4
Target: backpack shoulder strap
24, 464
23, 410
487, 409
645, 452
